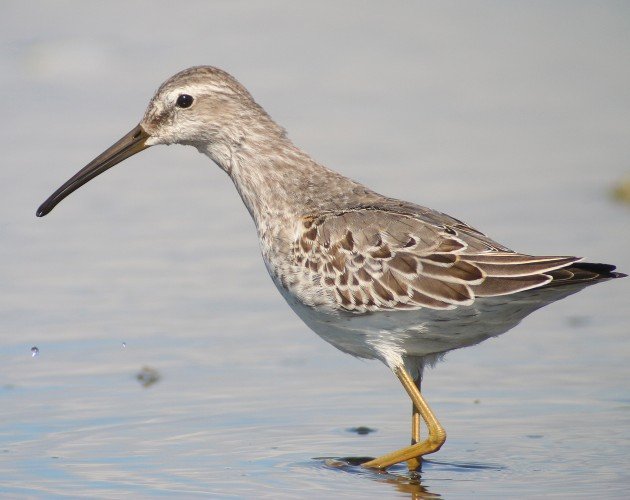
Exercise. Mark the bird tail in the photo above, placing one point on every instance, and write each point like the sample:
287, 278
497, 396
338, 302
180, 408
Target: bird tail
583, 272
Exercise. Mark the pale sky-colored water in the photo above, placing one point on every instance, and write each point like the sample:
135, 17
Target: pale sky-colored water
512, 117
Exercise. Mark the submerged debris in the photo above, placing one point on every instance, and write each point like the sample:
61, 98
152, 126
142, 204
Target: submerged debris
148, 376
362, 430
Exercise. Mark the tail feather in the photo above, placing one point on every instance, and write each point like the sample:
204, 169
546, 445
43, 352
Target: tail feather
583, 272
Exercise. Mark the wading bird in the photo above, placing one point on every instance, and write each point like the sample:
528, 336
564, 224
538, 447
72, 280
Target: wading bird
376, 277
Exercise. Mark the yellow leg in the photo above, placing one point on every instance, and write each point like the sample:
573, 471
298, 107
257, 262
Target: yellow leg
433, 442
414, 463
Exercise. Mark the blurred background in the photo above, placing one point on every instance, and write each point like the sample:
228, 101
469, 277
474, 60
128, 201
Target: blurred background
168, 364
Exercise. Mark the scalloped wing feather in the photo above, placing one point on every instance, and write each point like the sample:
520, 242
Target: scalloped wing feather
381, 260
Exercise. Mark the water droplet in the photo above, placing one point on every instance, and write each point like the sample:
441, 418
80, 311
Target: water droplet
34, 351
124, 345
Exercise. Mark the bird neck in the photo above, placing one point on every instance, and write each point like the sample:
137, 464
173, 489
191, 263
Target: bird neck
277, 181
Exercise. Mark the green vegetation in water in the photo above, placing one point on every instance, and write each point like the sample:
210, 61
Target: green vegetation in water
621, 190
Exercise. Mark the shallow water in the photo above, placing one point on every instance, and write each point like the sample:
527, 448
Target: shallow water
511, 118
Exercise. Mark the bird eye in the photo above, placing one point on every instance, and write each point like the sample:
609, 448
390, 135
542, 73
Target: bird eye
184, 101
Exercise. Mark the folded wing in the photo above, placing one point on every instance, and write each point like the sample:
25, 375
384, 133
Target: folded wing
379, 260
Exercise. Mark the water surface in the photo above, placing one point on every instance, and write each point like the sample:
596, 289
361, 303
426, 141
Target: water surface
513, 118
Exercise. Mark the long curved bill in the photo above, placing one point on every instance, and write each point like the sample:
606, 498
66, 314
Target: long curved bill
132, 143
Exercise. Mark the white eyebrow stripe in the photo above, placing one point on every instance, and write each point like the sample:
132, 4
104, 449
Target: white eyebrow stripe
193, 90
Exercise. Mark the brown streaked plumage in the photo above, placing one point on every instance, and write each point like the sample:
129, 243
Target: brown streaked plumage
377, 277
378, 260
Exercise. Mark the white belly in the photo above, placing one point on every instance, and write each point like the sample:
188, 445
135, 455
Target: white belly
421, 336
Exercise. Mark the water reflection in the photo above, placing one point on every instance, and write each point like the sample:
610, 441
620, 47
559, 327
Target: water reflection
402, 480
